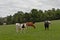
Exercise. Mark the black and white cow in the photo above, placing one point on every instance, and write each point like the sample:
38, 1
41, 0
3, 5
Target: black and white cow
46, 24
20, 26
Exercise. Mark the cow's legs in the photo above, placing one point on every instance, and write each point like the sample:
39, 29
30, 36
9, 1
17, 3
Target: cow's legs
45, 26
33, 26
17, 29
48, 27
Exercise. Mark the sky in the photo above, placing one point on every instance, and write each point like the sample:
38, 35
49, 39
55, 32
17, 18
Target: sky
9, 7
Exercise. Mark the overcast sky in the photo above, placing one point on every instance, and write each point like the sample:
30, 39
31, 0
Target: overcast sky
9, 7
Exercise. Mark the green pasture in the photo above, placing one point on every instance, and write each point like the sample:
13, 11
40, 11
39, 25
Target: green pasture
8, 32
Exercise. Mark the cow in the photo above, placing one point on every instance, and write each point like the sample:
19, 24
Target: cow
46, 24
22, 26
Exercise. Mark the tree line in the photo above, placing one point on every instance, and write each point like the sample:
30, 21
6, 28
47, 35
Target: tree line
34, 15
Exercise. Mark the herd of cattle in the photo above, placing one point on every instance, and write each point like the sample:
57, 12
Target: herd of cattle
22, 26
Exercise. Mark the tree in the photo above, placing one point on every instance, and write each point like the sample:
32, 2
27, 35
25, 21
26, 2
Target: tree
18, 17
34, 14
9, 19
1, 20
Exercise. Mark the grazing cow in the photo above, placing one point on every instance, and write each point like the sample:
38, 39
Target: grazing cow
24, 25
30, 24
46, 24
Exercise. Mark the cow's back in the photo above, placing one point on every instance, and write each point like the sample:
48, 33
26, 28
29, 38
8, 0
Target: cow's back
29, 23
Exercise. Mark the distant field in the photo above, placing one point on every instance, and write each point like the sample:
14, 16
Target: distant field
8, 32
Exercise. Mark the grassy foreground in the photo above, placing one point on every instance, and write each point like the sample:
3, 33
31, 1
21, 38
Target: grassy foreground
8, 32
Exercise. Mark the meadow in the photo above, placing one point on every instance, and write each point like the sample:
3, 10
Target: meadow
8, 32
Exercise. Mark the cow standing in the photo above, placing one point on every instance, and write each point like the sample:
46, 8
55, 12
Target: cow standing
20, 27
46, 24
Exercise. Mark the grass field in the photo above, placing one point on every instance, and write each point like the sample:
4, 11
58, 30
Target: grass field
8, 32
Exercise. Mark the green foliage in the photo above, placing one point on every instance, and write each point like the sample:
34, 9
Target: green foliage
34, 15
1, 21
9, 19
